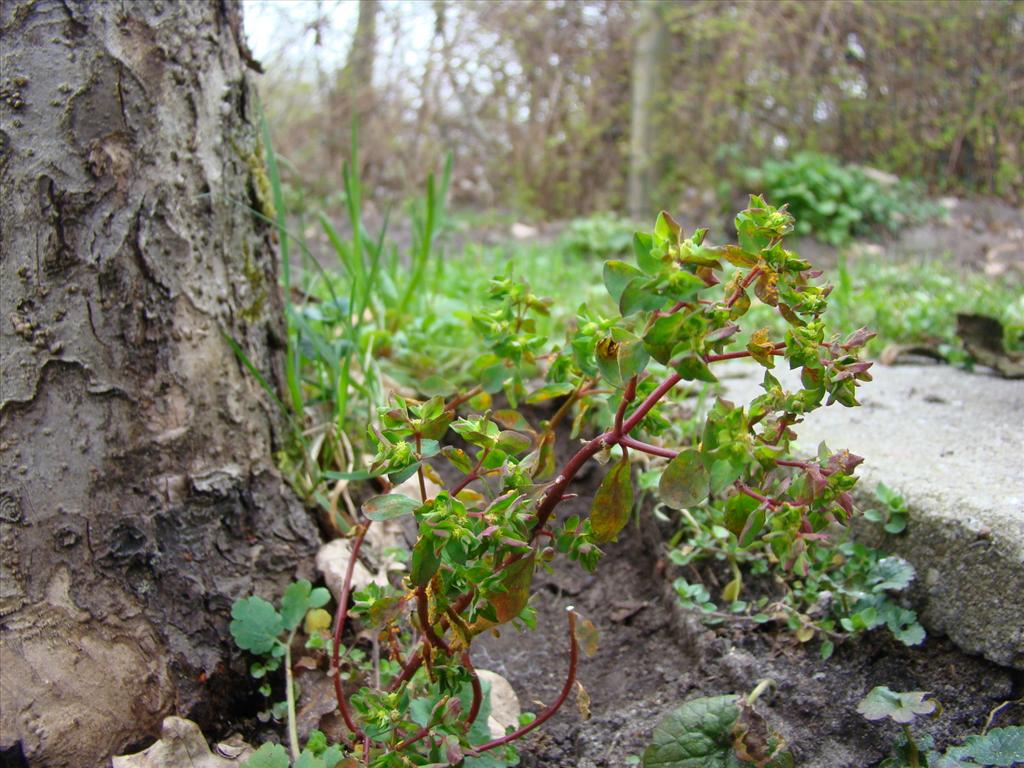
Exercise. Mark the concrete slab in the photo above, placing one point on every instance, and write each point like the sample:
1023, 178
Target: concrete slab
952, 443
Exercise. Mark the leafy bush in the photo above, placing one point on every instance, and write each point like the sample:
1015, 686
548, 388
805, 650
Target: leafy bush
837, 589
837, 202
600, 236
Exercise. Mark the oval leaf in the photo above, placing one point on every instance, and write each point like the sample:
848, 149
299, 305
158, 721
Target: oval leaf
613, 503
389, 506
425, 561
617, 275
684, 483
516, 582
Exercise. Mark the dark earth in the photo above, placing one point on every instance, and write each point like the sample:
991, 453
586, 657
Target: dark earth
653, 654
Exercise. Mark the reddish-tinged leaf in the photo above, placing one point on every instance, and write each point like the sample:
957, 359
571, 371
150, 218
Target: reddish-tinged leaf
685, 481
516, 581
761, 347
613, 503
587, 637
766, 288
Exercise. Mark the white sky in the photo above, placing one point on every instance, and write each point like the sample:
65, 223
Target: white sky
283, 28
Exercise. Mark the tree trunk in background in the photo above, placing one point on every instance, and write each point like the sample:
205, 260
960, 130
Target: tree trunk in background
651, 38
352, 95
361, 57
138, 496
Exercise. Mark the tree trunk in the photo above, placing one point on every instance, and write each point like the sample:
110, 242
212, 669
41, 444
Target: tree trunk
650, 45
363, 53
138, 496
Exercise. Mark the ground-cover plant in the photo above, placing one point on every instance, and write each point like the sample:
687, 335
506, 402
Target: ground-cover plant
601, 236
482, 536
837, 202
995, 747
841, 589
716, 732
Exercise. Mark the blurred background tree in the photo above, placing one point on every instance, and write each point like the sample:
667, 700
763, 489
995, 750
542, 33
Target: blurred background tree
563, 107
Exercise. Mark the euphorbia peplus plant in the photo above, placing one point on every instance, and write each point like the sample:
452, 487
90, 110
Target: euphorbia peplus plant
481, 539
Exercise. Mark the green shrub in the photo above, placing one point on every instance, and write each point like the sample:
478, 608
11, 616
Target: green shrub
837, 202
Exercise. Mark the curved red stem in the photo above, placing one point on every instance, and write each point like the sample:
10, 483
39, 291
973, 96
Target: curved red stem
574, 655
339, 629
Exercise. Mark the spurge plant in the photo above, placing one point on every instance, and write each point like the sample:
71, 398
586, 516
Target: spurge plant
482, 537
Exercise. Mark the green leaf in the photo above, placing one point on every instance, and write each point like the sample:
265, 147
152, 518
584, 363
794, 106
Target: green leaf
695, 735
691, 367
617, 275
299, 598
998, 747
643, 244
268, 756
738, 508
613, 503
332, 756
255, 624
389, 506
663, 336
638, 296
666, 227
549, 391
735, 255
620, 356
891, 573
685, 481
903, 707
425, 561
308, 760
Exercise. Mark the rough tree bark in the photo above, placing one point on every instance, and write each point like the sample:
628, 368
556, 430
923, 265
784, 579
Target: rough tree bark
137, 496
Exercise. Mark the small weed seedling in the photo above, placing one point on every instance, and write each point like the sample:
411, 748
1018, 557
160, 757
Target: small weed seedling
481, 538
995, 747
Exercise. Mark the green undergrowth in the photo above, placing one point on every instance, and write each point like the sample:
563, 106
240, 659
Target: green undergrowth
833, 590
915, 304
836, 202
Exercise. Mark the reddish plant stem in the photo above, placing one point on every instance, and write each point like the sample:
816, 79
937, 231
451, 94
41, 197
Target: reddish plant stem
650, 401
784, 423
455, 402
419, 470
653, 450
778, 350
473, 474
744, 488
554, 492
423, 611
797, 464
754, 274
418, 736
627, 397
396, 651
339, 628
574, 653
414, 663
478, 693
416, 660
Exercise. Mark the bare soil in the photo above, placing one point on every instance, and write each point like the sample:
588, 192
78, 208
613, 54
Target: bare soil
653, 655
